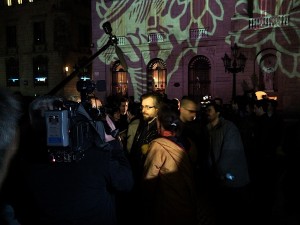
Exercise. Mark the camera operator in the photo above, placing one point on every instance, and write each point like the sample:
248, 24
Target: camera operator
77, 192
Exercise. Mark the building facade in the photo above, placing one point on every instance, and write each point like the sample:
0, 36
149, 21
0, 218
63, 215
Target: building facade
168, 46
176, 47
42, 42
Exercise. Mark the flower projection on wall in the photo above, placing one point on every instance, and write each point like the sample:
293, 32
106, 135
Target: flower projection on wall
277, 13
137, 19
174, 19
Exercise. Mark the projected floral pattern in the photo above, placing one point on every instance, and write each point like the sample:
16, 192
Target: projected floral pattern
144, 17
288, 37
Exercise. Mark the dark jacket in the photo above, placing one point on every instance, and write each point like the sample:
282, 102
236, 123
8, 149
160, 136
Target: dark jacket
226, 157
76, 192
145, 133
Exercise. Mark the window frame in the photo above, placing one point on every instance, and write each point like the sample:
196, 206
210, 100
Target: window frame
40, 71
119, 79
12, 72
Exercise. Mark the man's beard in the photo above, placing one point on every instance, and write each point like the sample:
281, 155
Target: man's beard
147, 118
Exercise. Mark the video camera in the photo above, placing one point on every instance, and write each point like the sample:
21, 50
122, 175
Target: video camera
70, 128
73, 127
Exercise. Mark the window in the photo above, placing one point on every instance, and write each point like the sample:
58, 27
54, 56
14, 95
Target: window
40, 71
159, 79
268, 80
84, 35
11, 36
270, 7
119, 80
250, 8
12, 73
199, 77
60, 34
85, 71
39, 33
157, 76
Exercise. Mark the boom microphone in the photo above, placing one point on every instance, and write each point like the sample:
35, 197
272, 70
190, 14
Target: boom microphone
112, 41
108, 30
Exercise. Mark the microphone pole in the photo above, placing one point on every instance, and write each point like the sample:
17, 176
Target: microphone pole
74, 73
112, 41
108, 30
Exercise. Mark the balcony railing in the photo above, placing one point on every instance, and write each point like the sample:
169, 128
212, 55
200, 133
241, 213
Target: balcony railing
155, 37
121, 40
268, 22
198, 33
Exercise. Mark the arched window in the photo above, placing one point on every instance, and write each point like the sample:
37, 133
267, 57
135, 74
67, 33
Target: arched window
157, 76
119, 80
268, 81
199, 77
12, 72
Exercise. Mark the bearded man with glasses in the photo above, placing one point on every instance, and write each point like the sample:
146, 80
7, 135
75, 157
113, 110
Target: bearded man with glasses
146, 132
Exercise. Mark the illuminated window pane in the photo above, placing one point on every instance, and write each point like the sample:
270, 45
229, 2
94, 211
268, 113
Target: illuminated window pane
120, 80
156, 76
12, 73
159, 80
40, 71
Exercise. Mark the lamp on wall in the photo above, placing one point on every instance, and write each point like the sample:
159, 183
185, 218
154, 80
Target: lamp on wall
66, 70
237, 65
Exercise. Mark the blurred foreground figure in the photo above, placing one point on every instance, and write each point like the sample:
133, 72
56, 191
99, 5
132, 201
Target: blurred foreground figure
10, 112
81, 191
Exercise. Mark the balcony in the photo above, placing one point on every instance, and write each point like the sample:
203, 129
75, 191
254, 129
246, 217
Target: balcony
121, 40
155, 37
268, 22
198, 33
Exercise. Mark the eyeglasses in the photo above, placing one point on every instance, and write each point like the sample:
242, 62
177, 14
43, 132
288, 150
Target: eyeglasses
147, 107
190, 110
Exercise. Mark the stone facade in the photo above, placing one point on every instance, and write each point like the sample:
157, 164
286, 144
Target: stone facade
63, 20
268, 33
176, 33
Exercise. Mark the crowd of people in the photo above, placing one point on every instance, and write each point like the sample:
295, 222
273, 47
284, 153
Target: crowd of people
152, 160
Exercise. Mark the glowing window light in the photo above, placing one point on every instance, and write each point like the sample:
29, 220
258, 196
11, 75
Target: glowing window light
9, 3
84, 78
41, 79
14, 79
260, 95
19, 2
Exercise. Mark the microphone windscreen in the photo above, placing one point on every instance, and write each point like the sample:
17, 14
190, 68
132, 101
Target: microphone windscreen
107, 27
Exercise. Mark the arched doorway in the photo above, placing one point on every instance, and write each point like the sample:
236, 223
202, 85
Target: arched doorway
199, 77
268, 81
157, 76
119, 80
